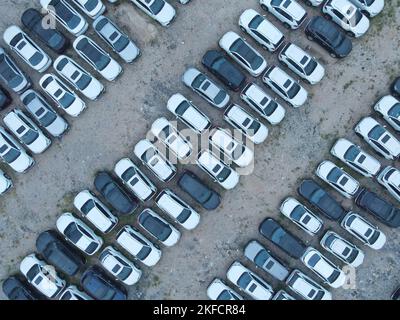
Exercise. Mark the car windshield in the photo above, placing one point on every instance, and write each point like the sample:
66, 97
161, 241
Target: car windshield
29, 137
238, 152
352, 153
36, 58
97, 57
33, 272
335, 274
128, 174
254, 127
157, 6
13, 79
224, 174
256, 22
88, 205
71, 19
73, 233
294, 90
91, 4
83, 81
148, 155
261, 257
198, 81
144, 253
395, 111
121, 43
244, 51
11, 155
182, 108
46, 118
334, 175
184, 215
226, 295
297, 213
157, 228
66, 100
310, 67
376, 132
358, 16
220, 97
244, 280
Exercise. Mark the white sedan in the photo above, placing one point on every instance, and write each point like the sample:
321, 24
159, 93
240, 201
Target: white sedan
92, 8
217, 290
389, 108
370, 8
5, 182
73, 293
289, 12
159, 10
390, 179
307, 288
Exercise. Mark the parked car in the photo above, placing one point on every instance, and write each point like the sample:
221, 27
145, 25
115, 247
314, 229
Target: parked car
379, 138
73, 293
218, 290
261, 30
322, 200
95, 211
370, 8
263, 259
15, 288
218, 64
154, 160
134, 179
13, 154
26, 131
100, 286
306, 288
249, 282
5, 182
32, 20
26, 49
205, 88
64, 97
396, 294
285, 86
274, 232
11, 74
159, 10
66, 15
282, 295
342, 249
389, 108
58, 253
116, 39
79, 234
379, 208
390, 179
201, 193
364, 231
301, 63
5, 99
329, 36
314, 3
97, 58
395, 88
356, 158
114, 194
177, 209
41, 276
188, 113
78, 77
263, 104
119, 266
301, 216
92, 8
289, 12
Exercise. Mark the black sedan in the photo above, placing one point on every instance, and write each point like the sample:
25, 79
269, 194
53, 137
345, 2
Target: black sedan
5, 99
114, 194
223, 69
17, 289
330, 36
192, 185
318, 197
58, 253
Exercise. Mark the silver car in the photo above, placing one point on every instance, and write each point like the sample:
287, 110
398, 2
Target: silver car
11, 74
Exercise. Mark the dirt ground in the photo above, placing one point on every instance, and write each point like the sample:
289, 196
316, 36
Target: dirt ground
110, 127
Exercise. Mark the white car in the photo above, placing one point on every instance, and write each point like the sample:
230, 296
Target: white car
243, 53
134, 179
282, 295
248, 282
338, 179
240, 154
63, 96
73, 293
306, 288
97, 58
262, 103
79, 234
262, 31
95, 211
217, 290
188, 113
347, 15
217, 170
92, 8
65, 14
26, 49
171, 138
178, 209
246, 123
78, 77
323, 268
159, 10
138, 246
13, 154
364, 231
301, 216
342, 249
390, 179
11, 75
389, 108
370, 8
289, 12
26, 131
301, 63
119, 266
356, 158
314, 3
285, 86
380, 139
153, 159
5, 182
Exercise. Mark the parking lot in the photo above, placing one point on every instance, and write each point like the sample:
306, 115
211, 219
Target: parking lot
110, 127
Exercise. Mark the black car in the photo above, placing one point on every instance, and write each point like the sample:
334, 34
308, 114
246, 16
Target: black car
58, 253
114, 194
17, 289
100, 286
330, 36
223, 69
379, 208
11, 75
54, 39
395, 89
192, 185
154, 225
274, 232
319, 198
5, 99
